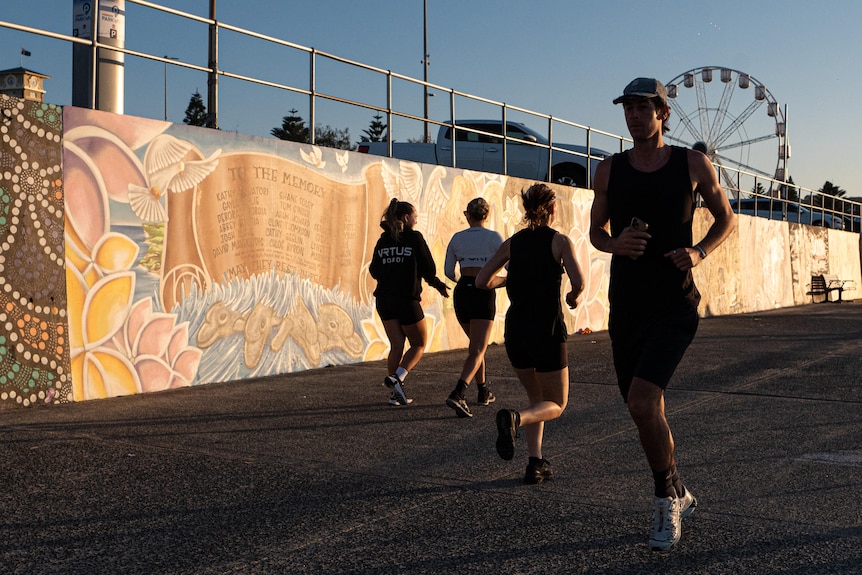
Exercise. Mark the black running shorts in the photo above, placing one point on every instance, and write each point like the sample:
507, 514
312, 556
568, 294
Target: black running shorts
472, 302
406, 310
650, 350
543, 355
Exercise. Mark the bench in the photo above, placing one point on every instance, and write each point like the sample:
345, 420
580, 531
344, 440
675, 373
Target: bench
824, 284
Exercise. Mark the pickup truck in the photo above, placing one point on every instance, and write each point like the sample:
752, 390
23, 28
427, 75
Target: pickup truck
479, 146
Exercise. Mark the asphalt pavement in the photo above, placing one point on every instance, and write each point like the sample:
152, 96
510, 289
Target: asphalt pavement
315, 473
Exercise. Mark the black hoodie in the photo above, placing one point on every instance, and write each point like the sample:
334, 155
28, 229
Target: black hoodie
399, 267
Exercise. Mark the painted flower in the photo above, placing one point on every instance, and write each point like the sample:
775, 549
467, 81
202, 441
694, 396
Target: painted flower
99, 167
158, 348
375, 335
112, 253
96, 314
512, 215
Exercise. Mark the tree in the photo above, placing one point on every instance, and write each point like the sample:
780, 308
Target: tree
196, 113
332, 137
788, 191
292, 128
376, 131
828, 197
758, 190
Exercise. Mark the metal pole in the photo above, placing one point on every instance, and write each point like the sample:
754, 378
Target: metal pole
389, 114
166, 84
312, 95
212, 76
94, 62
425, 62
452, 119
786, 145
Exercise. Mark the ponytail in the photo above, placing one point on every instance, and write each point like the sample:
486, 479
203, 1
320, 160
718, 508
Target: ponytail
538, 200
391, 220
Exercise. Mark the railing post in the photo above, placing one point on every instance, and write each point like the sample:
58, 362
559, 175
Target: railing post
452, 120
389, 114
212, 75
312, 92
589, 158
504, 133
550, 177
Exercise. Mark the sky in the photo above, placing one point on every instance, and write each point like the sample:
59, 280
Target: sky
557, 57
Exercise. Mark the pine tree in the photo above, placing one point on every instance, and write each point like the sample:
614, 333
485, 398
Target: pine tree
789, 191
196, 113
292, 128
376, 131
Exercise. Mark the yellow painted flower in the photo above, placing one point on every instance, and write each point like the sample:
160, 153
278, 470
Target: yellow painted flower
375, 335
96, 314
100, 166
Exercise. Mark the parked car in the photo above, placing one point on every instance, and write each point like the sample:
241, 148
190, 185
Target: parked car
482, 150
852, 221
775, 209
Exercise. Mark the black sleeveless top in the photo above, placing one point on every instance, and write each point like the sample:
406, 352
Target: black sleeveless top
533, 285
665, 200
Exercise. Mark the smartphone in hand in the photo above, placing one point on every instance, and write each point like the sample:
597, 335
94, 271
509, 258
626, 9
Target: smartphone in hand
640, 225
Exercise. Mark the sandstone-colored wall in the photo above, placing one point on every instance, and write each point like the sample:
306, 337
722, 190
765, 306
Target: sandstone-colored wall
155, 256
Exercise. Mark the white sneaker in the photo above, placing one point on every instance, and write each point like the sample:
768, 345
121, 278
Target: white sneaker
667, 514
687, 503
666, 526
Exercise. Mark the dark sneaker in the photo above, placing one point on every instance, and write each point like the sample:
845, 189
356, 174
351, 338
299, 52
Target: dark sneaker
393, 400
485, 395
460, 406
390, 381
507, 432
400, 394
538, 472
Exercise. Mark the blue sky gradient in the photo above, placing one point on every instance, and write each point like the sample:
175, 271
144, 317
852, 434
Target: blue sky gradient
567, 59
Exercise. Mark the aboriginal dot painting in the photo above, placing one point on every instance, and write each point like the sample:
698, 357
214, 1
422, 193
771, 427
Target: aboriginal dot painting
34, 354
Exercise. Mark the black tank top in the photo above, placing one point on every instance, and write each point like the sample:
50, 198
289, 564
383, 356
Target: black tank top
533, 286
665, 200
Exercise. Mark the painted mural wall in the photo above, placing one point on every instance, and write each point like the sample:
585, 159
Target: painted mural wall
34, 331
196, 256
139, 255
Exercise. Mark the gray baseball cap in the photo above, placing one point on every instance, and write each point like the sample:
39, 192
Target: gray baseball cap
644, 88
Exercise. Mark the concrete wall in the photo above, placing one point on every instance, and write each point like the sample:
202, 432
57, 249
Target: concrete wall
139, 255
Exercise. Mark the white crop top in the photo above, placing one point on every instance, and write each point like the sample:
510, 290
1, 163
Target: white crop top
471, 248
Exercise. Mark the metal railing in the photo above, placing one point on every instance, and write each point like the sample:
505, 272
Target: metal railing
737, 183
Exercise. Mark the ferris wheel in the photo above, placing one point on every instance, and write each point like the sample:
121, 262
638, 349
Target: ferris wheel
736, 118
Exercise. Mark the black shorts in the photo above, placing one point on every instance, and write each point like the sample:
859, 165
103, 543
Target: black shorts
472, 302
406, 310
652, 349
543, 355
